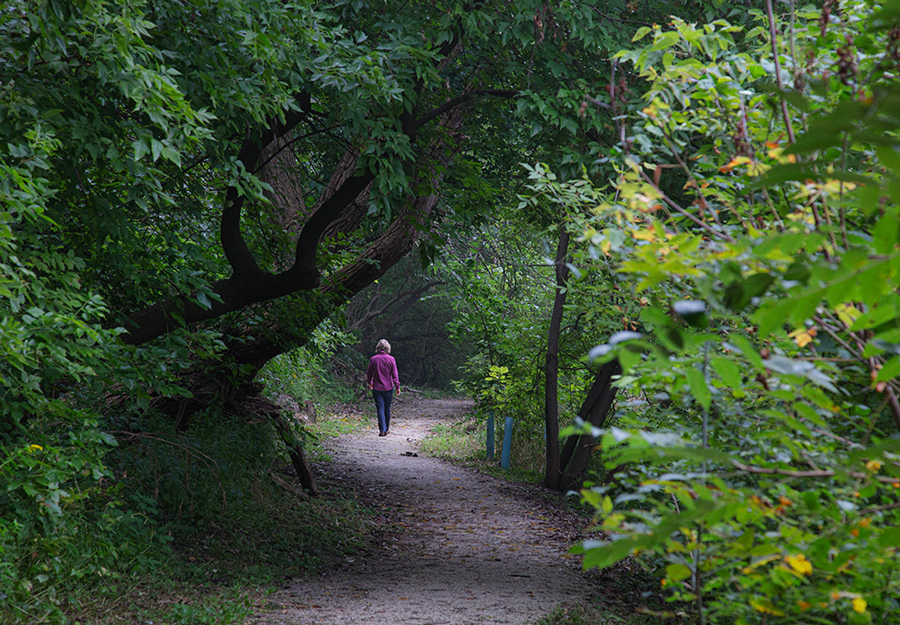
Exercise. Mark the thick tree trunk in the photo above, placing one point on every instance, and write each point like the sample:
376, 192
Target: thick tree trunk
595, 410
551, 367
340, 209
280, 170
233, 294
382, 254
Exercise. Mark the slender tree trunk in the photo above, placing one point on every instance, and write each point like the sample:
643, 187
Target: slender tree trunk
295, 451
551, 367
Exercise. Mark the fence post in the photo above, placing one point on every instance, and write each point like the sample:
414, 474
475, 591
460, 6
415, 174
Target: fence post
490, 436
507, 442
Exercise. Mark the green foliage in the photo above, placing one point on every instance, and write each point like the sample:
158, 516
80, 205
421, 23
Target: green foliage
50, 495
462, 441
209, 471
496, 394
506, 284
500, 320
123, 127
216, 612
602, 613
756, 454
311, 372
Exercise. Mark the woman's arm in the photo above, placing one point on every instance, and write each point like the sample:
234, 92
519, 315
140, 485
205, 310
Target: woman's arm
370, 373
396, 375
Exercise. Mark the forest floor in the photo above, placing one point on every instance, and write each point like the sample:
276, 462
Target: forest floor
453, 546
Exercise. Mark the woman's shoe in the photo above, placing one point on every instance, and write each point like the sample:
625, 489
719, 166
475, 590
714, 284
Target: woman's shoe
382, 434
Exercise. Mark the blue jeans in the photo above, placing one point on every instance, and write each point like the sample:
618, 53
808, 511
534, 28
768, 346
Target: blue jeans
383, 401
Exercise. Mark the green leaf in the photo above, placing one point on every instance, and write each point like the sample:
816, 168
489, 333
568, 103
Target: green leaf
203, 300
677, 572
745, 347
739, 293
641, 33
875, 317
889, 537
804, 171
699, 389
730, 374
889, 371
886, 233
665, 40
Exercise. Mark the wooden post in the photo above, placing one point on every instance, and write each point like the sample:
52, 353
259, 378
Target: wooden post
507, 442
490, 436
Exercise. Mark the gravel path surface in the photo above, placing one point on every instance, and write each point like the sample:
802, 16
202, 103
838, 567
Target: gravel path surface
470, 548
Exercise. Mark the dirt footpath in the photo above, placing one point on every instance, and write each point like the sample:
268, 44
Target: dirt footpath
471, 548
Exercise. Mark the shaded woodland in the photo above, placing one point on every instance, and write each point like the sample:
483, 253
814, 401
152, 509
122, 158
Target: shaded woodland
661, 236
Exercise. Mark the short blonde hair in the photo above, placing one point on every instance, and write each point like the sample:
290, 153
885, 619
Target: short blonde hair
383, 346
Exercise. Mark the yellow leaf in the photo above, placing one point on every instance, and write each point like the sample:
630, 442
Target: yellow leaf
765, 606
800, 564
859, 605
735, 162
802, 337
848, 314
837, 186
757, 169
644, 235
758, 563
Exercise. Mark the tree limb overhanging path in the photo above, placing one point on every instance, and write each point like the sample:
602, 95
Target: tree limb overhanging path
469, 548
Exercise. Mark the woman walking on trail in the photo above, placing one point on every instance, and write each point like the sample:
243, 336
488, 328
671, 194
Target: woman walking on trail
382, 378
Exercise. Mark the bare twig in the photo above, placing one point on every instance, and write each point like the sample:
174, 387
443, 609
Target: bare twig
696, 185
682, 211
288, 486
812, 473
892, 506
773, 36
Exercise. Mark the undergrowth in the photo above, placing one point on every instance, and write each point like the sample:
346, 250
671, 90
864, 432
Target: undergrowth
234, 532
590, 613
465, 441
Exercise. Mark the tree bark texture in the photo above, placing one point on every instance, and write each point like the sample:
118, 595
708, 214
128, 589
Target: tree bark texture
295, 451
596, 407
551, 366
394, 243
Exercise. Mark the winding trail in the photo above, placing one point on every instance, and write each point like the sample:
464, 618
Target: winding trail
470, 548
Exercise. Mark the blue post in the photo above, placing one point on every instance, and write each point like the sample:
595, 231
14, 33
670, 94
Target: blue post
490, 436
507, 442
